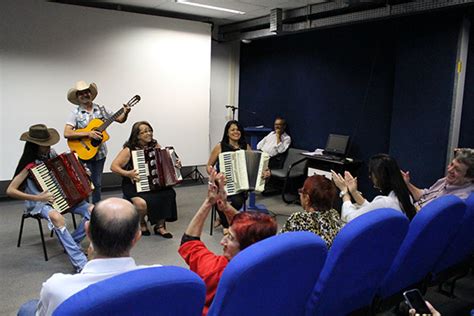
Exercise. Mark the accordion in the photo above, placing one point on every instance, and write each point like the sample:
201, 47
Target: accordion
156, 168
66, 178
243, 170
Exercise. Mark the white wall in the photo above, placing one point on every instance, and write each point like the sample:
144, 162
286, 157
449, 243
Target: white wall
46, 47
224, 86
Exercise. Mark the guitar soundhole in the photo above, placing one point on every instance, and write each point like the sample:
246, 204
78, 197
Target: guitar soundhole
96, 142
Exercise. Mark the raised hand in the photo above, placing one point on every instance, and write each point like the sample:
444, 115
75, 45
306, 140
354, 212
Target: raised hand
339, 181
405, 176
213, 189
350, 181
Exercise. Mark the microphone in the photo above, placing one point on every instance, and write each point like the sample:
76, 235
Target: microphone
231, 107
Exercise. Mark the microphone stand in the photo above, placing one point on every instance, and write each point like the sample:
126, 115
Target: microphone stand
233, 108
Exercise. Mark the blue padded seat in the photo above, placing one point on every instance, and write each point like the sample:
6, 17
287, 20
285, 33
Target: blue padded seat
430, 231
271, 277
456, 258
359, 257
166, 290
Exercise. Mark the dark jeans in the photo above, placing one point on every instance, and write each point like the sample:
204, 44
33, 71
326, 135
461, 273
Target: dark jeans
96, 167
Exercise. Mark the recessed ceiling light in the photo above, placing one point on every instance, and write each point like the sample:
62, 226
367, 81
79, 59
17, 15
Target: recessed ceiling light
209, 6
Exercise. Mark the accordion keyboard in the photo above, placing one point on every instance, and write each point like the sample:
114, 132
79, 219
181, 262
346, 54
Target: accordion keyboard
49, 183
227, 168
138, 157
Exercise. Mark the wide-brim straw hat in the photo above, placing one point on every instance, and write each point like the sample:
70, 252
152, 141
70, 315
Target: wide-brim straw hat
81, 86
41, 135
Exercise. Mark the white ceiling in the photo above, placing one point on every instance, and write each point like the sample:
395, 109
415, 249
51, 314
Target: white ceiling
252, 8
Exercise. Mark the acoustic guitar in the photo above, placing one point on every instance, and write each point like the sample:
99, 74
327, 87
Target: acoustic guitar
86, 148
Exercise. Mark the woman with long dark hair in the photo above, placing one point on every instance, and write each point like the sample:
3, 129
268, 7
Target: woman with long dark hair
159, 205
232, 140
387, 178
39, 140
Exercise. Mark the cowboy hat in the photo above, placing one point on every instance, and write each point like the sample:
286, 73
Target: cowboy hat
41, 135
81, 86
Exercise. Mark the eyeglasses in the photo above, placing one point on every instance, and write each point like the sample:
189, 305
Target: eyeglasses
301, 191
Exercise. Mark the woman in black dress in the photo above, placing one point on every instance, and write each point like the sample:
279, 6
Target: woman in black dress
159, 205
232, 140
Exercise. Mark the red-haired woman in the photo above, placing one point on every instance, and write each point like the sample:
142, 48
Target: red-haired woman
201, 260
318, 216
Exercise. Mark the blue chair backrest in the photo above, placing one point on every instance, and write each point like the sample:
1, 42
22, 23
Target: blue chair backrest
463, 243
271, 277
166, 290
429, 233
360, 255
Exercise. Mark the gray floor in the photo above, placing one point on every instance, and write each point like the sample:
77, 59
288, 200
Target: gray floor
24, 269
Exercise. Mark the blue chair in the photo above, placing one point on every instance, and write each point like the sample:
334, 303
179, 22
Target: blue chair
272, 277
430, 231
166, 290
455, 260
359, 257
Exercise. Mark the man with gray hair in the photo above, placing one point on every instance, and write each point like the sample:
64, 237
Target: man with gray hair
113, 231
459, 179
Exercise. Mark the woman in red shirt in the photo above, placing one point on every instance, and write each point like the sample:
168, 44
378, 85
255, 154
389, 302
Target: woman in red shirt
246, 228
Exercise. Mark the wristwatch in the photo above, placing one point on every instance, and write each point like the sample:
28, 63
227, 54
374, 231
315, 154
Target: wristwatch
342, 193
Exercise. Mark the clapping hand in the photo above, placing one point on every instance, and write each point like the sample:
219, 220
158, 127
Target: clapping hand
350, 181
339, 181
405, 176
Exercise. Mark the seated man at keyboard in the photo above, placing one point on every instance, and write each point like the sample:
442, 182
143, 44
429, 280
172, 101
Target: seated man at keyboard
39, 140
459, 179
276, 143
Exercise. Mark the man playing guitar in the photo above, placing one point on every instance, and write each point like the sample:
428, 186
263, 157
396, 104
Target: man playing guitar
82, 95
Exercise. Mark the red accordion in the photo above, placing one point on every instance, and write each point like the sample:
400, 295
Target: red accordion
66, 178
156, 168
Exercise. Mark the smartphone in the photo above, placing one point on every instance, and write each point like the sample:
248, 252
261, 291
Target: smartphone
415, 300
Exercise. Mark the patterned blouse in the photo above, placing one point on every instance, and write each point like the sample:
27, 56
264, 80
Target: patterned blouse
325, 224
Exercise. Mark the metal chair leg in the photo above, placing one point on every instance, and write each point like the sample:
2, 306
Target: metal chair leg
42, 239
21, 230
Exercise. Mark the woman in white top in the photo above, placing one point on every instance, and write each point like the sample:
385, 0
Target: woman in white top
386, 177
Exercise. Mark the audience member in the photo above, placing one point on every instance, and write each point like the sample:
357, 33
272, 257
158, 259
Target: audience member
276, 143
318, 216
386, 177
459, 179
113, 230
434, 312
246, 228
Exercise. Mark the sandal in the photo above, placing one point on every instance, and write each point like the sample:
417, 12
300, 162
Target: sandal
166, 235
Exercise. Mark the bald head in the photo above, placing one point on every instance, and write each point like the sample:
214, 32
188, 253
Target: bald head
113, 227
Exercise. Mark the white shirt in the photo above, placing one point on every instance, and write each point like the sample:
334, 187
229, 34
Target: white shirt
60, 286
350, 211
269, 144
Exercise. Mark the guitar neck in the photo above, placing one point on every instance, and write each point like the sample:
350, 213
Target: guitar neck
110, 120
